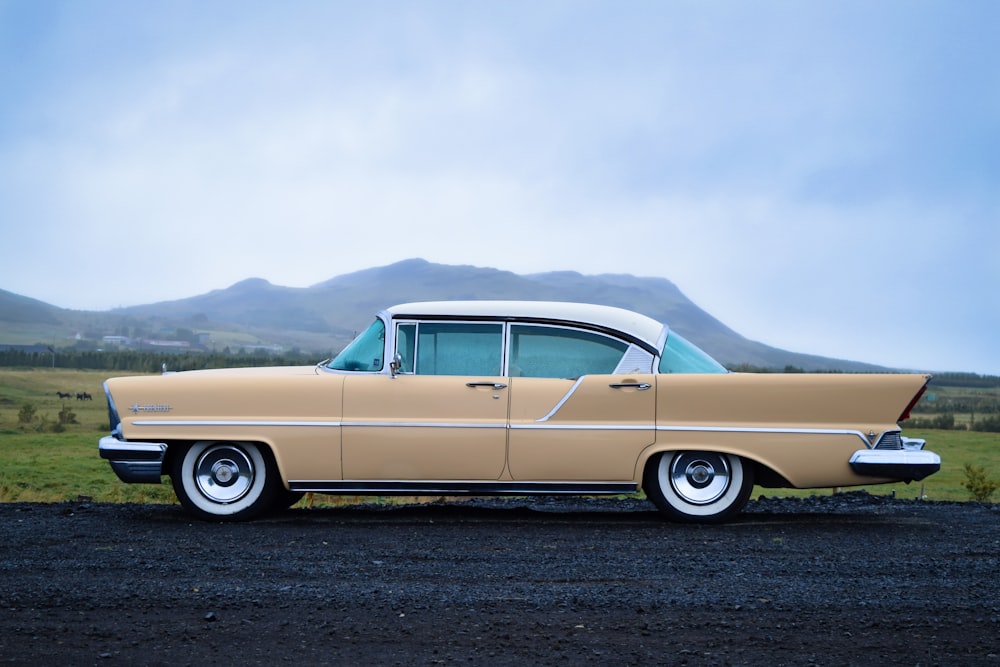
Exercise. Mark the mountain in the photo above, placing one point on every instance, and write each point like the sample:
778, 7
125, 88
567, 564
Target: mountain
325, 316
18, 309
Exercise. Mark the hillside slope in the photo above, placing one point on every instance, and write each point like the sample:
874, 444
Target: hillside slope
327, 315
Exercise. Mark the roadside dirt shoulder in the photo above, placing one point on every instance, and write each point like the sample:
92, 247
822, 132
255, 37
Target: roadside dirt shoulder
850, 579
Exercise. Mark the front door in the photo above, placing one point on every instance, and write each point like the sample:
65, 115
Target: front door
444, 417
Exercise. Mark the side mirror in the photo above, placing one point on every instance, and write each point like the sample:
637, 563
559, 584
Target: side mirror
396, 364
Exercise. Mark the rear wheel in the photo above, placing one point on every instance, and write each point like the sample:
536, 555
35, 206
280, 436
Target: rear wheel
229, 481
698, 487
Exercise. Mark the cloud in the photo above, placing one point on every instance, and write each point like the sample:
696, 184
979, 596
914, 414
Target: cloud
816, 177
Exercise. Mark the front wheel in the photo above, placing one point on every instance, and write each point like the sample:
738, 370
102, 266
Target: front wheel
698, 487
228, 481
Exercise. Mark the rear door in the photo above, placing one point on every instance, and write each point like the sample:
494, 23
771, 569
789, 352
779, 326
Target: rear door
573, 414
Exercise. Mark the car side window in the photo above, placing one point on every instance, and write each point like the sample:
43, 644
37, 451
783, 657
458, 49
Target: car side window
450, 348
557, 352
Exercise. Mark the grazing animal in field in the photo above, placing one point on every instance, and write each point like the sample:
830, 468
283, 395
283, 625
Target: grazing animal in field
64, 394
84, 396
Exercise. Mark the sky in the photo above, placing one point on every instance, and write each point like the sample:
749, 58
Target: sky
821, 176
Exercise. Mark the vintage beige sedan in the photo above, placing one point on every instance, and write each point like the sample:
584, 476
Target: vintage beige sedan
514, 398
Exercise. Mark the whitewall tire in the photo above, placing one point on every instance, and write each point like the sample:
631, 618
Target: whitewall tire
229, 481
698, 487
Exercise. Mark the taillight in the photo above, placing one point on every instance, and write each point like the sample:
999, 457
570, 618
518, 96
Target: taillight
906, 413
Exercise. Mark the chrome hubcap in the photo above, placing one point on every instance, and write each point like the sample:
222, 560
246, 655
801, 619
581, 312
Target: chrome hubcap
224, 473
700, 478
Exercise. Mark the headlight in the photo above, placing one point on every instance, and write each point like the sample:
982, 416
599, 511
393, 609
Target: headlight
113, 419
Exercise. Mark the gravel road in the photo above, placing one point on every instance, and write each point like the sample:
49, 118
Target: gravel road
836, 580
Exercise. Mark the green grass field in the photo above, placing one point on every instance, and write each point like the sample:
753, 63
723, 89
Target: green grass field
39, 465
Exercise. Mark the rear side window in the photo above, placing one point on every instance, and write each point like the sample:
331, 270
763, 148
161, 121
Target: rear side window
555, 352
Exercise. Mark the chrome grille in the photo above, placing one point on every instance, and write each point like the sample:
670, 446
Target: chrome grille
890, 440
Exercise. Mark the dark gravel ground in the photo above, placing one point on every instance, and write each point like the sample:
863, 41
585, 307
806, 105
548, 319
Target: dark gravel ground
836, 580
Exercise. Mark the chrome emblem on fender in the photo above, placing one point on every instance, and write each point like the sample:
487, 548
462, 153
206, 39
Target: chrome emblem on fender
155, 407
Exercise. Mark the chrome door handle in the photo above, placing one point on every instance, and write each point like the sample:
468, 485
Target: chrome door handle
495, 385
641, 386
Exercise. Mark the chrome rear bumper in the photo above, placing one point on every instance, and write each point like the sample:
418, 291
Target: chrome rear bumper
134, 462
907, 464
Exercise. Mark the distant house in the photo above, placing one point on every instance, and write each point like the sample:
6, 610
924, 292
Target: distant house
167, 344
273, 349
116, 340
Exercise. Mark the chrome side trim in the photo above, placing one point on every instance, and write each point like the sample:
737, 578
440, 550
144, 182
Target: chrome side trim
581, 427
562, 401
754, 429
424, 424
229, 422
250, 422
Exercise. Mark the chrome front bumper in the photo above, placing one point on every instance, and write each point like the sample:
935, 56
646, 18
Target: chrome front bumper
134, 462
907, 464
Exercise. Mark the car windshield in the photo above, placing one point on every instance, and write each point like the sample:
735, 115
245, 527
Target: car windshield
681, 356
364, 353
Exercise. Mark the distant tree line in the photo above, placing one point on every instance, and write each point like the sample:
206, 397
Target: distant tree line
971, 380
960, 404
989, 423
149, 361
961, 380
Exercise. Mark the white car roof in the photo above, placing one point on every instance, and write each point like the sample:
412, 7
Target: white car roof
634, 325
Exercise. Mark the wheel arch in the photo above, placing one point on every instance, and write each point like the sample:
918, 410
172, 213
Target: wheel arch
178, 447
764, 474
